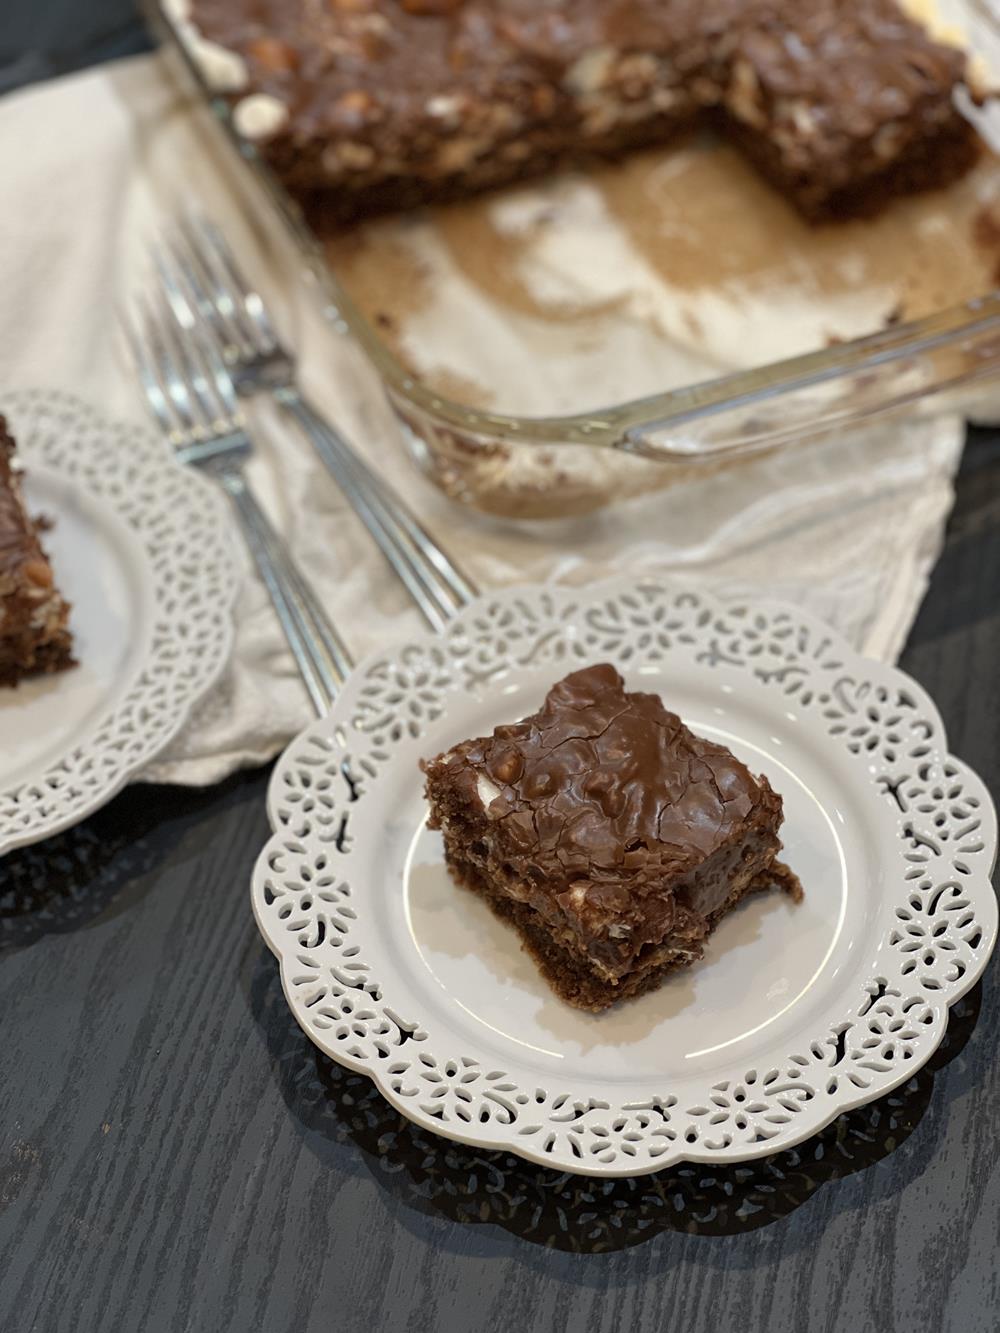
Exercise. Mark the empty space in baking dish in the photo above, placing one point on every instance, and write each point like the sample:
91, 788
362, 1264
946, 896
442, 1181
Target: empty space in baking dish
679, 264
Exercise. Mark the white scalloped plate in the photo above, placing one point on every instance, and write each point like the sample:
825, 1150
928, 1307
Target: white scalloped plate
796, 1014
141, 547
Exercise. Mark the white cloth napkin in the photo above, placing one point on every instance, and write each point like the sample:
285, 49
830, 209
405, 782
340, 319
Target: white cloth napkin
92, 163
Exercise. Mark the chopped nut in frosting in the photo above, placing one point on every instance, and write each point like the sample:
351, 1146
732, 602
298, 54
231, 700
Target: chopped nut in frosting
259, 116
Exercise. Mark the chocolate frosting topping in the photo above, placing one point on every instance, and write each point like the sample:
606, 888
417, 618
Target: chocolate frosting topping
864, 58
600, 782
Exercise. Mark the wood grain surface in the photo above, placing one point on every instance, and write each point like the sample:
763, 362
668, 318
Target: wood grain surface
174, 1155
176, 1158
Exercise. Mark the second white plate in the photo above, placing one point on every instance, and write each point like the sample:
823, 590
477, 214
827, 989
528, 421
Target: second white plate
141, 547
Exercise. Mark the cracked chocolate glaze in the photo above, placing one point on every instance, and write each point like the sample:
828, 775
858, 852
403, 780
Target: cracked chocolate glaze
607, 815
822, 94
600, 781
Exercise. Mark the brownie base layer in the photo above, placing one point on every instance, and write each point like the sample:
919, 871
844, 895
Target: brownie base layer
930, 163
329, 208
572, 979
23, 656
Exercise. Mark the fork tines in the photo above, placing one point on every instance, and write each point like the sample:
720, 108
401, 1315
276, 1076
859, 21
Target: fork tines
210, 296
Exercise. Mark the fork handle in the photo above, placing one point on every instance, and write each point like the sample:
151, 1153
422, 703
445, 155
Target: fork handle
320, 654
436, 584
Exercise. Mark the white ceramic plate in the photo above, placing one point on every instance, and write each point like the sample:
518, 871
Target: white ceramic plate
796, 1013
141, 548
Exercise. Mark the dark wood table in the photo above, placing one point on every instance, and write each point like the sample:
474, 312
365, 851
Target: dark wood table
175, 1155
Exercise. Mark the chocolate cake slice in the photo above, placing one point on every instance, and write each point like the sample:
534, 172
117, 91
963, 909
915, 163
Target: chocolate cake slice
34, 634
612, 837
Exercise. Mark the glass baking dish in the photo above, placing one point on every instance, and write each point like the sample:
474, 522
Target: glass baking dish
503, 382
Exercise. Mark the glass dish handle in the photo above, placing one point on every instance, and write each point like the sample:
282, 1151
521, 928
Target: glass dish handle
948, 362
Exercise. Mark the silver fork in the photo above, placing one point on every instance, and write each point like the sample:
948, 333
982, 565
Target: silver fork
192, 398
238, 319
